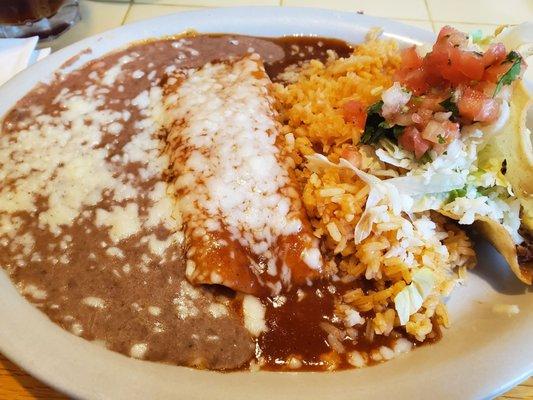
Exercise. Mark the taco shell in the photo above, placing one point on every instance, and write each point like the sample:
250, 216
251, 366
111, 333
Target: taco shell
512, 144
496, 234
511, 147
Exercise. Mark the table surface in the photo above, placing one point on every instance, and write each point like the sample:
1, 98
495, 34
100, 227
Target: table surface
98, 16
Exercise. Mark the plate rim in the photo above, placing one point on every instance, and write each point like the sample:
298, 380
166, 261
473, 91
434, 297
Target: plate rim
18, 87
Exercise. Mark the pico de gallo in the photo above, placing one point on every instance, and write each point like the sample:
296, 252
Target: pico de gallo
433, 96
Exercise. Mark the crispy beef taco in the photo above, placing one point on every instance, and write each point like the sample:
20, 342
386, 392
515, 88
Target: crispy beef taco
452, 129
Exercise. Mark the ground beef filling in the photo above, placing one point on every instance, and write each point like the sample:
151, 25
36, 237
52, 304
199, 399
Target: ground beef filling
525, 249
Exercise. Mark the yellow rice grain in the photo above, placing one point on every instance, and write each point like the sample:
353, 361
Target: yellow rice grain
334, 231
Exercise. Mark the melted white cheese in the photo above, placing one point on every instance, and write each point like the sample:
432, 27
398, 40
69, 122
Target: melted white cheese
60, 159
225, 157
94, 302
138, 350
122, 221
254, 315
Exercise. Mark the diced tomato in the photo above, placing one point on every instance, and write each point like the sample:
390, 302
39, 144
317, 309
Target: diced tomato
454, 65
432, 102
419, 116
425, 115
434, 131
415, 80
403, 119
439, 131
448, 68
476, 106
448, 64
494, 72
452, 131
416, 118
438, 56
468, 63
452, 74
437, 67
411, 74
486, 87
354, 112
411, 140
444, 33
496, 53
452, 36
410, 58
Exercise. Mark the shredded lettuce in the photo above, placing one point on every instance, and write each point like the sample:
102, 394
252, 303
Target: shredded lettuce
410, 299
477, 36
440, 182
518, 38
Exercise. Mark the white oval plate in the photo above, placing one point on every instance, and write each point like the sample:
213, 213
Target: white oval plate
481, 355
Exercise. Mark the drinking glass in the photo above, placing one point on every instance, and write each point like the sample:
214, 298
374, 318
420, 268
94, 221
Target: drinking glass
44, 18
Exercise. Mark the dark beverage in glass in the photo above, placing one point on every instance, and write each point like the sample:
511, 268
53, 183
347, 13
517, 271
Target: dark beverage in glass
45, 18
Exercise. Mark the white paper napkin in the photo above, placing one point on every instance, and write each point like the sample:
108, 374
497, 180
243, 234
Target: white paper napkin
17, 54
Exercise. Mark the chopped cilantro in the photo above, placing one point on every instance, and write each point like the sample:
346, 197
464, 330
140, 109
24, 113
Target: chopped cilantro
373, 134
377, 128
385, 125
441, 139
512, 73
456, 193
397, 130
449, 105
375, 108
426, 157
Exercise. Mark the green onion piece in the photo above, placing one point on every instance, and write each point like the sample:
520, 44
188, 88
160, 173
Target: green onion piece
456, 193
